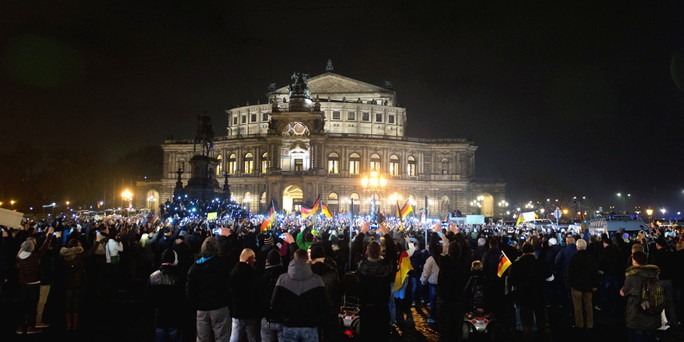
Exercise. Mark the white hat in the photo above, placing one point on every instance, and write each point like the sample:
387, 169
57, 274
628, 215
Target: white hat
553, 241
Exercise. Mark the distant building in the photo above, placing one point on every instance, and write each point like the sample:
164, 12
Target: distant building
320, 136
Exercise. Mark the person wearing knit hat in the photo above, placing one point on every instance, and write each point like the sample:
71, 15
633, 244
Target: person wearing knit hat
165, 285
28, 266
268, 240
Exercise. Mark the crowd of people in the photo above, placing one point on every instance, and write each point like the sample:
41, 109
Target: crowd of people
227, 279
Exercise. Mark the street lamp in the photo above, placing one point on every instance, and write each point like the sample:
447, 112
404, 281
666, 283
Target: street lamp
127, 196
373, 182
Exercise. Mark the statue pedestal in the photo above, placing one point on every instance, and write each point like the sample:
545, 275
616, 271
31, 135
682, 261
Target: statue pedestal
202, 183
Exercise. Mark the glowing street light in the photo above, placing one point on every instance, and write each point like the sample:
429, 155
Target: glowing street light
373, 182
127, 195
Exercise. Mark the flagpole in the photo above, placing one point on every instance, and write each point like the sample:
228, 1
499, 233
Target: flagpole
351, 224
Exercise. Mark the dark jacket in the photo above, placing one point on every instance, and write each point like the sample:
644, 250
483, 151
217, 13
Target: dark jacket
267, 285
166, 292
612, 261
562, 261
375, 276
333, 287
664, 259
634, 318
452, 278
207, 285
244, 291
527, 275
299, 297
583, 272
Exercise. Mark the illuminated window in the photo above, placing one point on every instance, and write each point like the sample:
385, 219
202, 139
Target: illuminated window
264, 162
411, 166
354, 163
249, 163
232, 164
333, 163
333, 198
375, 162
355, 197
394, 165
298, 165
219, 167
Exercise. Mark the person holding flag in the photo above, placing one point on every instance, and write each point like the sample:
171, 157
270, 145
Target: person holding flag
268, 222
307, 212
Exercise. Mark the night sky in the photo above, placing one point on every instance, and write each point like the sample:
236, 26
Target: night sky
561, 99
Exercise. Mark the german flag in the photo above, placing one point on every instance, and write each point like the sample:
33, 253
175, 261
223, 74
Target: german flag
268, 222
404, 268
504, 263
326, 211
405, 211
306, 212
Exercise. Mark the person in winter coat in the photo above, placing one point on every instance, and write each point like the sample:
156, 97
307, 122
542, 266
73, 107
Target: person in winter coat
561, 264
165, 289
333, 292
451, 282
527, 276
376, 273
612, 266
640, 326
244, 293
207, 288
73, 255
271, 329
299, 300
583, 279
429, 278
28, 266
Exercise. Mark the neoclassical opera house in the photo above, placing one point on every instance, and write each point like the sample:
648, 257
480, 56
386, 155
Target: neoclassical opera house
321, 136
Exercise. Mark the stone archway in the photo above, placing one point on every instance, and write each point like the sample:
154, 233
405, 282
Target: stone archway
292, 198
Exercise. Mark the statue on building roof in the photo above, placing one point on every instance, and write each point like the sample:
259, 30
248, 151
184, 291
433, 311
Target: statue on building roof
298, 86
329, 66
205, 134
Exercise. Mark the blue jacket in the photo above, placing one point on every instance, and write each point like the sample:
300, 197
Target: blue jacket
562, 261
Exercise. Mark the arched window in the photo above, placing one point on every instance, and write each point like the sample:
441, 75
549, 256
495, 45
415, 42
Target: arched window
354, 163
332, 198
264, 162
249, 163
375, 162
355, 197
232, 164
333, 163
394, 165
411, 166
219, 167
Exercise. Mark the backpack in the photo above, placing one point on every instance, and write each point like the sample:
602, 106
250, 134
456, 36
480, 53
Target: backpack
652, 298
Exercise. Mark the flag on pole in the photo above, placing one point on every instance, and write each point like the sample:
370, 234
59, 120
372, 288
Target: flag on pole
326, 211
404, 211
504, 263
268, 222
306, 212
520, 220
404, 268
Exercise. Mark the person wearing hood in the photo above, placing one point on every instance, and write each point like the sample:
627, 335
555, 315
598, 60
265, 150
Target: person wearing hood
271, 329
73, 255
244, 292
299, 300
333, 291
207, 288
640, 326
28, 266
164, 288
